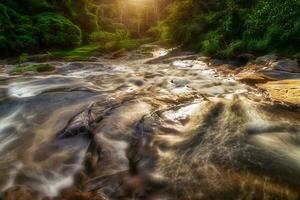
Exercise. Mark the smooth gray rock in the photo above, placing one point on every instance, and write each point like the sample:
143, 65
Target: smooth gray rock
178, 82
279, 75
287, 65
266, 60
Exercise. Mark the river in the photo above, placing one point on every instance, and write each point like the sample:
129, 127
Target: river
125, 129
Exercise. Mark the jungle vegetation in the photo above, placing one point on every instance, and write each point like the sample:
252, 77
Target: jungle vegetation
223, 28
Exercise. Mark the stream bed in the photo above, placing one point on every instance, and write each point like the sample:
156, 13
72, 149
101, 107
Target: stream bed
124, 129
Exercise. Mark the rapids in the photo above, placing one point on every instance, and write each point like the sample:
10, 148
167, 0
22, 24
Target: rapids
128, 129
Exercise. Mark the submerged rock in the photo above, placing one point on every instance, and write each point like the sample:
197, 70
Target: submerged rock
288, 65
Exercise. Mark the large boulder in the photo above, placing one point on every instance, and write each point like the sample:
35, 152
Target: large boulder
287, 91
287, 65
266, 60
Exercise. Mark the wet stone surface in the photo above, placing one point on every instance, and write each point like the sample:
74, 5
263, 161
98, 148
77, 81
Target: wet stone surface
139, 129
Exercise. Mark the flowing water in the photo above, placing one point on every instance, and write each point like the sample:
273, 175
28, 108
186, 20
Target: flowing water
124, 129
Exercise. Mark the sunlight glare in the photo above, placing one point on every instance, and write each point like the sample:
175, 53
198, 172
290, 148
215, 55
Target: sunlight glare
139, 2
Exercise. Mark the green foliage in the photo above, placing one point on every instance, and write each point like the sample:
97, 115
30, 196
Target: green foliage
276, 24
25, 26
16, 31
160, 32
34, 25
217, 27
212, 43
23, 58
80, 53
226, 28
128, 44
26, 43
33, 68
83, 14
115, 41
3, 43
234, 48
57, 31
84, 52
101, 36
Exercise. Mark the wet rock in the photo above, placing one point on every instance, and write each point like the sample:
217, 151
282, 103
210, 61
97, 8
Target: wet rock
71, 66
19, 193
30, 73
137, 82
287, 91
245, 58
76, 65
117, 54
172, 56
92, 59
180, 82
76, 194
179, 58
252, 78
203, 59
287, 65
235, 64
297, 56
2, 68
3, 61
226, 69
266, 60
216, 62
138, 55
40, 57
182, 63
279, 75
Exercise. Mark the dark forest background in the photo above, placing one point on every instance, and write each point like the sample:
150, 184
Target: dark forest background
223, 28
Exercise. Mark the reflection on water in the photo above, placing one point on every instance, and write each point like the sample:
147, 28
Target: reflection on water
122, 129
